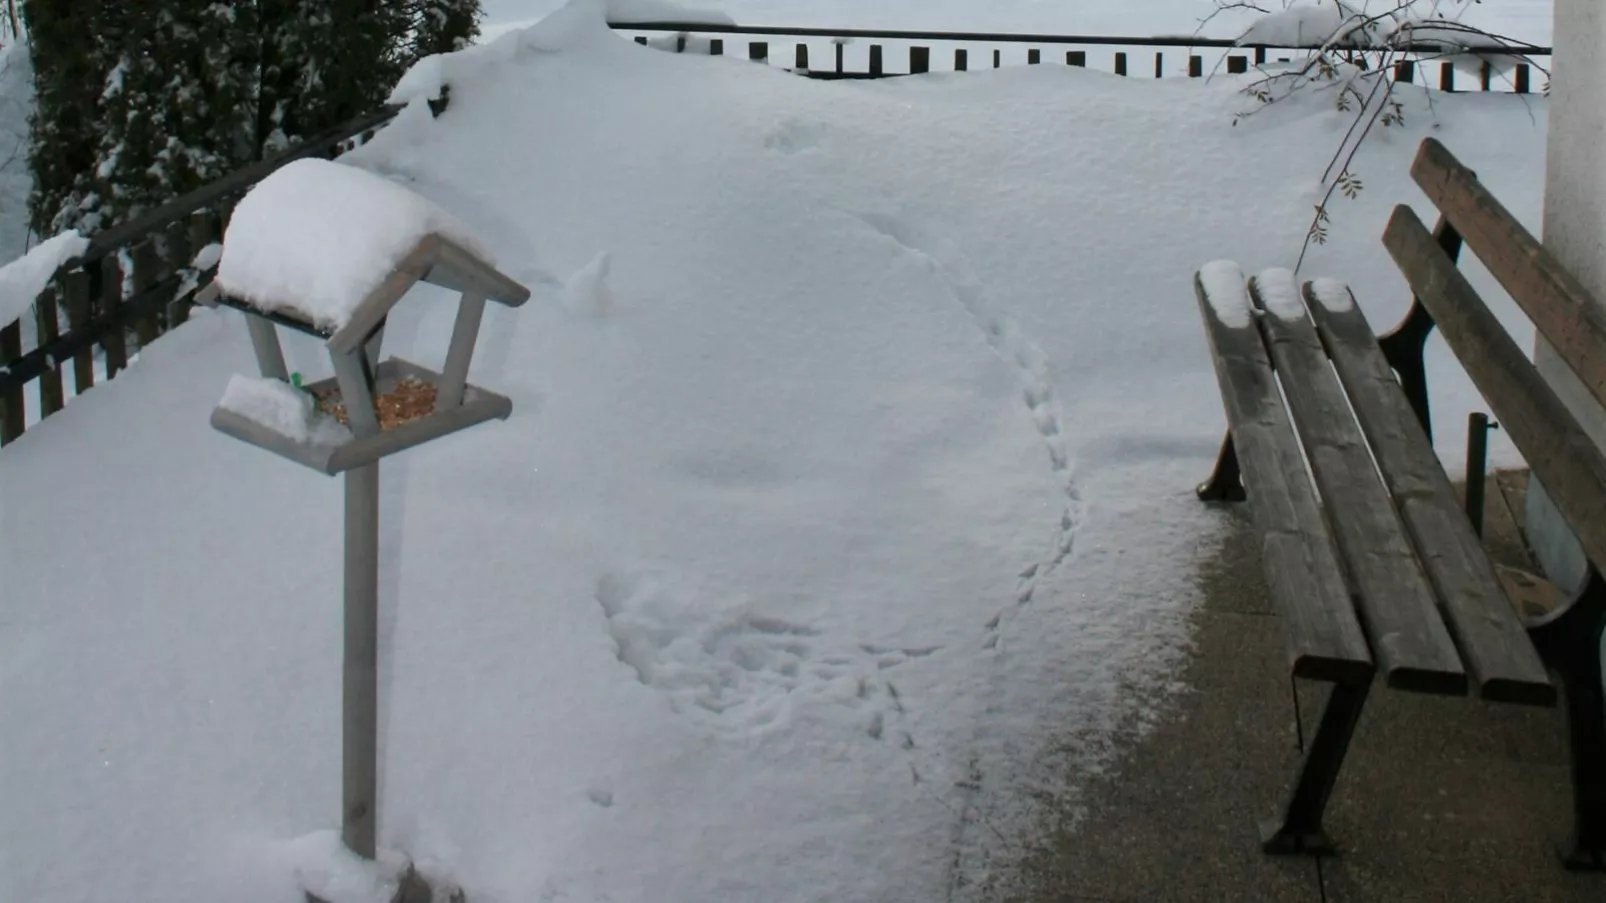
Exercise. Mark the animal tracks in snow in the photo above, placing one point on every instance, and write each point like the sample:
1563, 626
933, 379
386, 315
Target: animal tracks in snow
794, 136
1030, 365
743, 672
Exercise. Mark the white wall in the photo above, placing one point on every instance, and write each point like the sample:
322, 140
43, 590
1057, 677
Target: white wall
1575, 230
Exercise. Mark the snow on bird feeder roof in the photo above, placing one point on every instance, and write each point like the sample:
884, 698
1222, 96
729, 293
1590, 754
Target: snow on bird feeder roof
330, 249
324, 243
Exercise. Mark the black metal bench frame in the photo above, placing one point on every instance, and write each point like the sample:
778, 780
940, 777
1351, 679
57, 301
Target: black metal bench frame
1567, 640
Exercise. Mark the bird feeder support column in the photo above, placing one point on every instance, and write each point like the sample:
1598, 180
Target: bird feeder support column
265, 342
359, 766
454, 375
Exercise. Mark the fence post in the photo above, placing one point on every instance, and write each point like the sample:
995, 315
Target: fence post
147, 263
180, 252
45, 312
919, 60
109, 298
78, 297
11, 412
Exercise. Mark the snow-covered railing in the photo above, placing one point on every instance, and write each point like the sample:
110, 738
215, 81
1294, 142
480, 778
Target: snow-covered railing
141, 275
883, 53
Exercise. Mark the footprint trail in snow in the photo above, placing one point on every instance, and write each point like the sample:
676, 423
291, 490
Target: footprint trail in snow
745, 673
1030, 366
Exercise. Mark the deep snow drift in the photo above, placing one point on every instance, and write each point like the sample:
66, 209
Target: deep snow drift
820, 563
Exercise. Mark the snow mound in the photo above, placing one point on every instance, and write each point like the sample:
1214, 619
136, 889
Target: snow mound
587, 291
1280, 293
325, 868
1324, 23
1445, 34
23, 279
568, 28
282, 408
1223, 283
315, 237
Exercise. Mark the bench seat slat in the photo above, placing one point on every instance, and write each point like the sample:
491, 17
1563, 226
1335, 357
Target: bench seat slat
1559, 452
1398, 610
1494, 646
1301, 564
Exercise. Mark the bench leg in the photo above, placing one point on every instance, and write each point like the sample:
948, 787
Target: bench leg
1298, 829
1226, 483
1571, 644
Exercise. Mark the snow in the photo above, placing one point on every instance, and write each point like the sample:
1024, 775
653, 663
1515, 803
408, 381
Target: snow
587, 291
282, 408
1223, 283
1445, 34
23, 279
16, 181
1314, 22
832, 564
327, 869
663, 11
1332, 294
1528, 20
316, 236
208, 257
1279, 292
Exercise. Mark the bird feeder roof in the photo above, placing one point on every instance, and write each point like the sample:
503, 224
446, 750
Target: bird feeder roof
335, 247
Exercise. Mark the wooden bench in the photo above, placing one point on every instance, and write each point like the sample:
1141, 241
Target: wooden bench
1371, 561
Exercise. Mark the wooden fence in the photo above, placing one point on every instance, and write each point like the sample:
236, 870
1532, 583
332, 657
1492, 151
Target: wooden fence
136, 280
138, 276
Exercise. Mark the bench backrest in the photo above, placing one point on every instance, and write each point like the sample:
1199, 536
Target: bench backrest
1561, 455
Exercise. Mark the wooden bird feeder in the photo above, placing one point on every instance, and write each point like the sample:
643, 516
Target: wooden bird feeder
390, 405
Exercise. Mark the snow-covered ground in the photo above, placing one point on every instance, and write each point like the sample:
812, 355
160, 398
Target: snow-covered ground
843, 523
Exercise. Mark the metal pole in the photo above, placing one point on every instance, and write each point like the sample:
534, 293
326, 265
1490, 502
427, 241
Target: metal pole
360, 699
1477, 463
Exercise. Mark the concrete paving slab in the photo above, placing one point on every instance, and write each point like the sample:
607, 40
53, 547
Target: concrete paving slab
1178, 820
1440, 799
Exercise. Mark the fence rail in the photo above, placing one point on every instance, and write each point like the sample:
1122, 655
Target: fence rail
1410, 58
139, 275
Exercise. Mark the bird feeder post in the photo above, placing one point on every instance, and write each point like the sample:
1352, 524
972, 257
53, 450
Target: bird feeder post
367, 410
